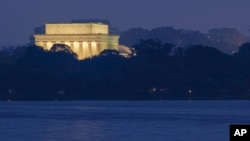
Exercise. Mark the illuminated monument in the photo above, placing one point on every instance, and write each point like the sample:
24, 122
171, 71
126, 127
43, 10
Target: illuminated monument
85, 39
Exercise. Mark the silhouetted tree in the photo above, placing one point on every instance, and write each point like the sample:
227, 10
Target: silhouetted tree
61, 48
200, 51
244, 49
154, 48
159, 71
108, 52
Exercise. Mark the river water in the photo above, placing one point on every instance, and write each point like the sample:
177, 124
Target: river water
121, 120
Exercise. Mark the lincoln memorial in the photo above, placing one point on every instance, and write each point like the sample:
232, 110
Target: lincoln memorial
85, 39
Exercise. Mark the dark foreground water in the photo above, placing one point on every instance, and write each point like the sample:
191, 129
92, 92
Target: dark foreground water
121, 121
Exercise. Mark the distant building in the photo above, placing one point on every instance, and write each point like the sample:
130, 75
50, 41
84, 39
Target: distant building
85, 39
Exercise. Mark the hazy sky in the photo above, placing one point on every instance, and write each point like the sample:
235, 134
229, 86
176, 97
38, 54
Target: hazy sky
20, 17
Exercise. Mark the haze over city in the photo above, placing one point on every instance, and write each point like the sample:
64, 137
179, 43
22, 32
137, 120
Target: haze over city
19, 18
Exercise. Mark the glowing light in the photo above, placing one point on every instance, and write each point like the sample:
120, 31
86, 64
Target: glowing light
94, 48
85, 39
93, 44
76, 47
67, 43
85, 50
190, 91
152, 90
49, 45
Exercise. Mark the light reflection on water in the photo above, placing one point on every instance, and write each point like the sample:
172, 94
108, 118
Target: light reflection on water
120, 121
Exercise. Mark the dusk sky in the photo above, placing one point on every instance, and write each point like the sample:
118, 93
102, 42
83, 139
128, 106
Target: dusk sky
20, 17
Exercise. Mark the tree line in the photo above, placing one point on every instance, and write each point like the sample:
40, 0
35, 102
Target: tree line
159, 71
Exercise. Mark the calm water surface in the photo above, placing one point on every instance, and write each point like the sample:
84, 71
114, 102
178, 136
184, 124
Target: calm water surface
121, 120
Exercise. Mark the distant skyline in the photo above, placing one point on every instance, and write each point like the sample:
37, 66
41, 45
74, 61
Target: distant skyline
20, 17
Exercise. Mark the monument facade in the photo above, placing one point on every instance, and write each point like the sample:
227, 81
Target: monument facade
85, 39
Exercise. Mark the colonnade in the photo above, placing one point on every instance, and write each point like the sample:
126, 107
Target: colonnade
82, 48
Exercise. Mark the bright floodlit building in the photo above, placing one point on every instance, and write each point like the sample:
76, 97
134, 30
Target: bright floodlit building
85, 39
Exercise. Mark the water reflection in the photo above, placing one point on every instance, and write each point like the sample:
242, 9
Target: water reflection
75, 130
119, 121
